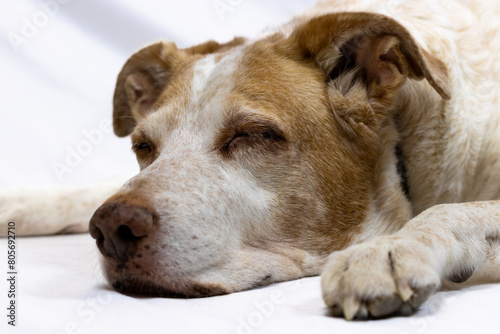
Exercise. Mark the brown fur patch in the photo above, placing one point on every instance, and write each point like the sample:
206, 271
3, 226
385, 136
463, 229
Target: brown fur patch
323, 194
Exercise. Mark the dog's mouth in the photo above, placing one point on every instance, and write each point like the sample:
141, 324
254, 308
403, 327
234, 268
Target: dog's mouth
138, 287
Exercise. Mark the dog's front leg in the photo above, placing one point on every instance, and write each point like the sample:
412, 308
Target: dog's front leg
52, 210
397, 273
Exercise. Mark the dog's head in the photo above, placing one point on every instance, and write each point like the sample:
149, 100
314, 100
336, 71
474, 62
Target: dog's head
257, 158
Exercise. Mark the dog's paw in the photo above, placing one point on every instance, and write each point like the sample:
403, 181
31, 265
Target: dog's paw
19, 209
8, 210
385, 276
39, 211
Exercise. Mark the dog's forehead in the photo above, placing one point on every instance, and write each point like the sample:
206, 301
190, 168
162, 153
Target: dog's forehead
212, 81
254, 78
198, 98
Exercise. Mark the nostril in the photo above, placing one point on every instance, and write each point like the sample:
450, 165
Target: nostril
138, 224
125, 233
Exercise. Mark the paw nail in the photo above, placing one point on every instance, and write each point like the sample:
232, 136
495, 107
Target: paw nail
405, 292
351, 307
362, 313
383, 306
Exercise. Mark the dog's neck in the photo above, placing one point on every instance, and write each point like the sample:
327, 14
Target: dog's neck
390, 208
418, 115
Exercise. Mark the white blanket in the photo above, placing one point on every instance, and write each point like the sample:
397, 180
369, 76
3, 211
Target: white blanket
61, 290
58, 64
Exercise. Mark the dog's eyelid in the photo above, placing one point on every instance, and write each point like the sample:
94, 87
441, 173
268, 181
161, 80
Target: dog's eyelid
141, 142
250, 130
267, 128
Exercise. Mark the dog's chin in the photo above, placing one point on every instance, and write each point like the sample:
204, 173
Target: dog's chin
136, 286
139, 287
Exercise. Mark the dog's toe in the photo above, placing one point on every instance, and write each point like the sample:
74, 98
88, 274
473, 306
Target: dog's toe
383, 306
377, 279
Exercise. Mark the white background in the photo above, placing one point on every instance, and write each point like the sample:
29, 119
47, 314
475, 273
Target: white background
59, 81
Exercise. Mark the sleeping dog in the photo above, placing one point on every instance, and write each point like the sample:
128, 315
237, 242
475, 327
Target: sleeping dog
335, 144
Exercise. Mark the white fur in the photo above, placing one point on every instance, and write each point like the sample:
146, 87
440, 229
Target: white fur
53, 210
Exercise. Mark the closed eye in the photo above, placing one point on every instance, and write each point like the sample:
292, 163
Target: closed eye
263, 139
249, 131
236, 137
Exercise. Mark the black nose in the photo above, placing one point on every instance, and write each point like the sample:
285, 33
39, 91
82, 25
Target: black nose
117, 228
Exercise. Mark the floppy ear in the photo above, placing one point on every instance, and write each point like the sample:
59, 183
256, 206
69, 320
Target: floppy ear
140, 83
380, 50
145, 75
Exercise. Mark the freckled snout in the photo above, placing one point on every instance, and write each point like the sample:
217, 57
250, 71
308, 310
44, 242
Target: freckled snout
118, 228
